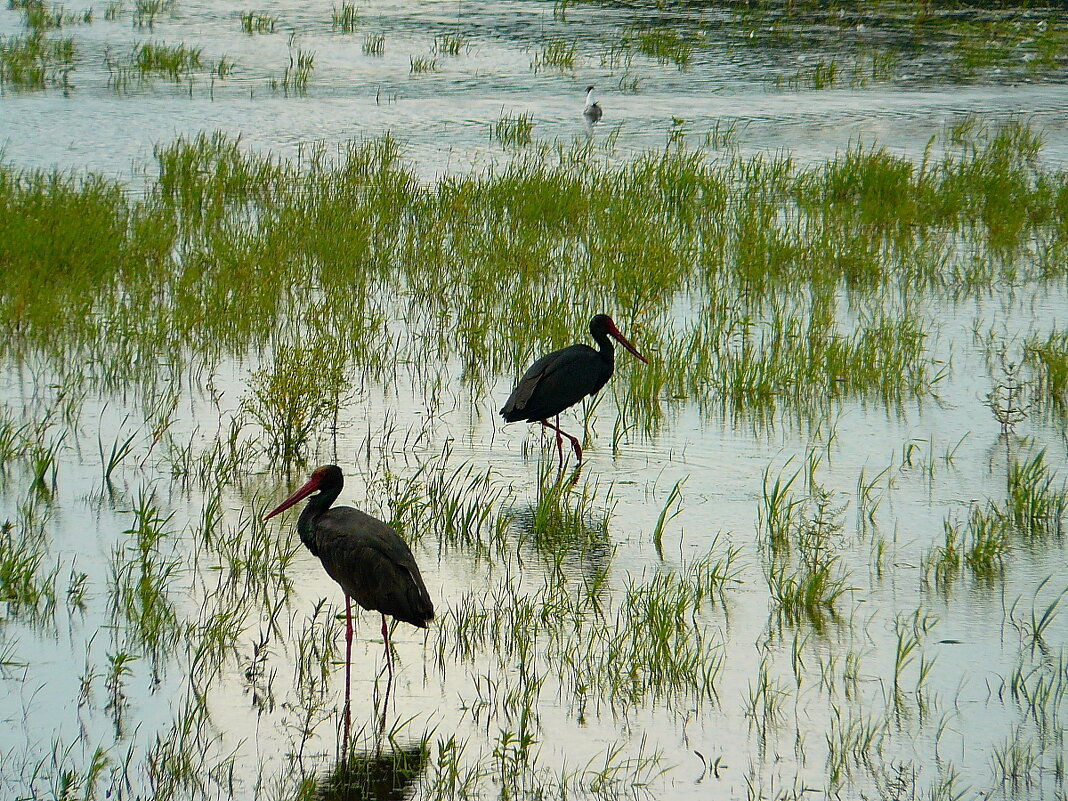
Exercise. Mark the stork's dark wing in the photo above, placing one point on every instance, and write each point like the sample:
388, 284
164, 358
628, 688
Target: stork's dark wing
555, 382
373, 565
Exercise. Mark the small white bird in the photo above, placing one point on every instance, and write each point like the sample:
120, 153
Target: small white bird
592, 112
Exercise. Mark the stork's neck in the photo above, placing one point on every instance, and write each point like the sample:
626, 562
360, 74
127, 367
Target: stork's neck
590, 99
606, 349
313, 510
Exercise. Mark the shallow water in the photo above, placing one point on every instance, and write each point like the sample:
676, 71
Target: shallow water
933, 459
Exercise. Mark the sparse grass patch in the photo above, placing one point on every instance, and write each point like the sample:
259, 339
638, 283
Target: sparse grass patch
422, 64
35, 61
174, 61
449, 44
298, 72
801, 561
374, 44
556, 53
258, 22
146, 12
514, 131
664, 44
345, 18
296, 395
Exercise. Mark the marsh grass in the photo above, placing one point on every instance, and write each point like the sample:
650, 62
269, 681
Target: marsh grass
38, 16
297, 395
1037, 502
258, 22
803, 289
345, 18
556, 54
1048, 360
422, 64
374, 44
146, 12
449, 44
174, 61
514, 131
801, 562
298, 72
142, 574
27, 585
36, 61
664, 44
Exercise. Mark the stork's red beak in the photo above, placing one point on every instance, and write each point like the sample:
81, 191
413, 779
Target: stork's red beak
299, 495
623, 341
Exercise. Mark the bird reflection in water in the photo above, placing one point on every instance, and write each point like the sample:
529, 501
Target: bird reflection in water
378, 775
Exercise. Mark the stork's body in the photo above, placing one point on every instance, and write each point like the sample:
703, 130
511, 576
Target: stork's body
564, 377
370, 561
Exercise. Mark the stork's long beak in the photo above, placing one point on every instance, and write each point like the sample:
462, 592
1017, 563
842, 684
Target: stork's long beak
623, 341
298, 496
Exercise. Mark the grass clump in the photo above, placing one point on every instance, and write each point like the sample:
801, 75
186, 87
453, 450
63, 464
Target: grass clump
35, 61
374, 44
40, 17
514, 131
146, 12
1037, 502
557, 53
422, 64
801, 561
449, 44
345, 18
296, 395
666, 45
257, 22
142, 575
298, 72
174, 61
25, 583
1048, 361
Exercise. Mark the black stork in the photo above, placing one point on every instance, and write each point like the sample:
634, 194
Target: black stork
370, 561
592, 112
564, 377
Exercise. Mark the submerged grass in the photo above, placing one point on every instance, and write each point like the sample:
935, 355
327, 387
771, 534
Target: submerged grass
36, 61
806, 287
791, 268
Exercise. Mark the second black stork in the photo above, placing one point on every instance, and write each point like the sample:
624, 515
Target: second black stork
370, 561
563, 378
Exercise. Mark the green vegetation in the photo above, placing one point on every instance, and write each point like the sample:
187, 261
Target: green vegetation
514, 131
374, 44
449, 44
35, 62
346, 18
257, 22
178, 347
556, 54
421, 64
298, 72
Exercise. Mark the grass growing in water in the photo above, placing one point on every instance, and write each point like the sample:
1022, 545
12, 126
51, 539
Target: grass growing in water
514, 131
258, 22
35, 61
557, 53
345, 18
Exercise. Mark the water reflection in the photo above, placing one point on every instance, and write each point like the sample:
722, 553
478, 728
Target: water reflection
379, 775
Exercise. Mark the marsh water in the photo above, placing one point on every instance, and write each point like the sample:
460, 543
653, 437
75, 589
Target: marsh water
618, 630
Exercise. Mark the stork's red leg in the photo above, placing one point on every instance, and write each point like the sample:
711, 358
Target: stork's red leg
559, 431
348, 662
389, 656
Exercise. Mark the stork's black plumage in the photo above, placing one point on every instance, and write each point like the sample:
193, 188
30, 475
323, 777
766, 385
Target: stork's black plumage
564, 377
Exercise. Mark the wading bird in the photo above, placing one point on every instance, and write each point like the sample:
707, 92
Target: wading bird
592, 112
563, 378
370, 561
